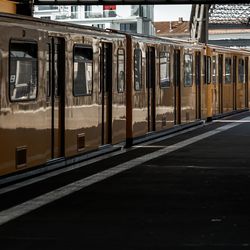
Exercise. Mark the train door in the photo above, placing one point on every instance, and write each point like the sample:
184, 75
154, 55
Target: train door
177, 87
220, 78
57, 95
106, 93
234, 83
151, 88
198, 84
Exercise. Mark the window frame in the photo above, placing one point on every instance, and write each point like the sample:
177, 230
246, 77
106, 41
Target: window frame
192, 72
124, 70
22, 42
82, 46
140, 83
167, 83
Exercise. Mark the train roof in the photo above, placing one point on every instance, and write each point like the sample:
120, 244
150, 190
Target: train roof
227, 49
62, 26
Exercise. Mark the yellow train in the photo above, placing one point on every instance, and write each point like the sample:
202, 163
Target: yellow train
67, 90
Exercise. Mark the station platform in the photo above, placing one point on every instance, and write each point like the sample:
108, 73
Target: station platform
188, 190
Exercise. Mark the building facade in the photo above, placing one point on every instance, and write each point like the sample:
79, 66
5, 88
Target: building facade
129, 18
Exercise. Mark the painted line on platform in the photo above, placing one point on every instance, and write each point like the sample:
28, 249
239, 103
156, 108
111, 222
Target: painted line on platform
42, 200
232, 121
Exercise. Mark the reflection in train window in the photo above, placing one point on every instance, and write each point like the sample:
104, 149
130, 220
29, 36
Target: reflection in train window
228, 64
83, 65
23, 71
121, 71
188, 70
138, 69
214, 69
241, 71
164, 69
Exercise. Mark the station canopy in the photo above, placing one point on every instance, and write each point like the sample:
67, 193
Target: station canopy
131, 2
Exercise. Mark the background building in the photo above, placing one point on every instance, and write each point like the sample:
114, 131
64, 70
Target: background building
229, 25
130, 18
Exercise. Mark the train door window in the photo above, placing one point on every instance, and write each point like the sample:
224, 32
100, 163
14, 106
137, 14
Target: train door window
58, 70
1, 57
214, 69
138, 69
23, 71
228, 70
164, 69
208, 69
121, 71
205, 69
220, 69
48, 69
246, 70
83, 68
241, 71
188, 70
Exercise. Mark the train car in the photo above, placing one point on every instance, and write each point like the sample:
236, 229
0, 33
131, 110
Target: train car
62, 91
165, 84
150, 96
228, 79
67, 90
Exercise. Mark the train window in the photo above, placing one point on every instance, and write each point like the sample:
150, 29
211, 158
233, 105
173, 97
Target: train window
48, 71
246, 70
214, 69
228, 69
205, 69
188, 70
241, 71
1, 58
83, 66
208, 70
23, 71
121, 71
138, 69
164, 69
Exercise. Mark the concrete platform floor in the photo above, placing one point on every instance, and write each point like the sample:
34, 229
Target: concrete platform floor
190, 191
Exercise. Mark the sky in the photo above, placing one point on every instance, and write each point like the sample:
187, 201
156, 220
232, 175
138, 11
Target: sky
172, 12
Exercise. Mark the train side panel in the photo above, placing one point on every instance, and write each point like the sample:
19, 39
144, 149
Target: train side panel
24, 113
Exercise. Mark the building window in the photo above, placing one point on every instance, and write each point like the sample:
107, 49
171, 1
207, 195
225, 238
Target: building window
129, 27
164, 69
101, 26
241, 71
138, 69
188, 70
23, 71
228, 64
121, 71
46, 17
47, 7
83, 65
